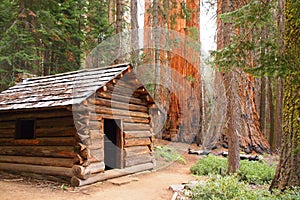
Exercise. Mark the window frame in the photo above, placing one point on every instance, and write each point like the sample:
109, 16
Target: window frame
19, 131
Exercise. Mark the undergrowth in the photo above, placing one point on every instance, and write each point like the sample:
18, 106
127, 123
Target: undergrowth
254, 172
249, 183
169, 154
230, 187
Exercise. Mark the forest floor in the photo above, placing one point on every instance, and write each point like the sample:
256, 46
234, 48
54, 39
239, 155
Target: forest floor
146, 186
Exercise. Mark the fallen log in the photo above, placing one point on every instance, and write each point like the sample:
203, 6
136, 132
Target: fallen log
199, 152
244, 157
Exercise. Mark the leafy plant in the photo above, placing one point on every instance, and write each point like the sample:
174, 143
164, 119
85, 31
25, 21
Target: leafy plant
210, 165
230, 187
256, 172
169, 154
252, 172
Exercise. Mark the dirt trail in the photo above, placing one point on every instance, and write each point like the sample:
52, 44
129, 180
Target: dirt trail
150, 186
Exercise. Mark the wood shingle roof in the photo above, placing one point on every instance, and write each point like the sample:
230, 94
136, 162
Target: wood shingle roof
58, 90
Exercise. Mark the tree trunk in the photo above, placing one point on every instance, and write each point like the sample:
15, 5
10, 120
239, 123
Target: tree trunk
111, 11
224, 38
262, 110
271, 114
134, 32
288, 169
156, 36
119, 16
246, 118
231, 132
277, 130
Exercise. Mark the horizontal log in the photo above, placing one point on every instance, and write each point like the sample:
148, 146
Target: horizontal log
94, 125
111, 174
118, 104
142, 91
126, 84
137, 142
96, 134
96, 144
110, 111
136, 126
96, 155
118, 89
55, 132
61, 141
7, 133
122, 98
55, 122
95, 116
137, 134
57, 162
138, 159
38, 151
8, 125
136, 150
85, 172
49, 170
35, 115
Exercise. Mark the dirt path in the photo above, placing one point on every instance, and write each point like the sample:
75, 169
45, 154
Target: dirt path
149, 186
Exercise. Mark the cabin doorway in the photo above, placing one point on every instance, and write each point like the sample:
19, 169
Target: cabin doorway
112, 144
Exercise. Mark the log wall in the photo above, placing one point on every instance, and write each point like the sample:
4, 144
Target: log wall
119, 100
50, 152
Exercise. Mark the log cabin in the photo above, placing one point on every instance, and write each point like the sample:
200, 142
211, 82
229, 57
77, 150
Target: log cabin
89, 125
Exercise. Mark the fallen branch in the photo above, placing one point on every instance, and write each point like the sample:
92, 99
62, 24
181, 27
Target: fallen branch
244, 157
199, 152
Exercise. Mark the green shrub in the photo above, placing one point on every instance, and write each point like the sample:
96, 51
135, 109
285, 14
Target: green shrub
250, 171
256, 172
210, 165
230, 187
169, 154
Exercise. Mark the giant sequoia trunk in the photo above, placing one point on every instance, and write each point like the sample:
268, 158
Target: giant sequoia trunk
246, 118
176, 70
288, 169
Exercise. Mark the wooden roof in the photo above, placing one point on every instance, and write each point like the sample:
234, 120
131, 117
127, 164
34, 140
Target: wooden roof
58, 90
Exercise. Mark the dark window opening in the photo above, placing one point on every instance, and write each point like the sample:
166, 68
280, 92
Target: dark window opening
25, 129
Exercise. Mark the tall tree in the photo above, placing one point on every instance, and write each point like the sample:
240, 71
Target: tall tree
247, 126
282, 60
48, 37
288, 169
224, 38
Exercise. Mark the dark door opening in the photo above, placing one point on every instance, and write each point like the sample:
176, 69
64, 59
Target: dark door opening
112, 144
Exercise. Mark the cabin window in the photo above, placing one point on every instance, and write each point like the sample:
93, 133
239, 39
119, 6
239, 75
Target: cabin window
25, 129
